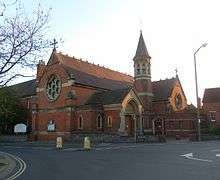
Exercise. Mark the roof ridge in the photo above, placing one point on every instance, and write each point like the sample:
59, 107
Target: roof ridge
165, 79
212, 88
90, 63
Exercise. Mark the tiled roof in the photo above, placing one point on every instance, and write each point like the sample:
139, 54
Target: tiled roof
94, 81
109, 97
162, 89
25, 89
211, 95
96, 76
141, 51
94, 70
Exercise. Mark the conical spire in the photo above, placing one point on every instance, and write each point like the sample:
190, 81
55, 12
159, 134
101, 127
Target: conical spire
141, 51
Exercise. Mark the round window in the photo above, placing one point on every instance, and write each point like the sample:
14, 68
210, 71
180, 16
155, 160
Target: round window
178, 101
53, 88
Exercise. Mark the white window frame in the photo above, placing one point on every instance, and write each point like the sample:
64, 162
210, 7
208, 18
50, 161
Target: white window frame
210, 116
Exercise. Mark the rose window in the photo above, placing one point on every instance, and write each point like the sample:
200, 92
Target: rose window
53, 88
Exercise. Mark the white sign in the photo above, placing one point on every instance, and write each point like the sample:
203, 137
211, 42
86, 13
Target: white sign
51, 126
20, 128
59, 142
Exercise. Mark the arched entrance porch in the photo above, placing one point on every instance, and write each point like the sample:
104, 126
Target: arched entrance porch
131, 118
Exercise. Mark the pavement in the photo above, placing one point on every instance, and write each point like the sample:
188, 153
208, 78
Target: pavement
173, 160
9, 166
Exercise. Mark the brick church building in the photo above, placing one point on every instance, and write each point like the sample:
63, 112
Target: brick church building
70, 96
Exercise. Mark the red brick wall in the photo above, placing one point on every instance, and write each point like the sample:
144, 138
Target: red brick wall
159, 107
58, 110
90, 121
182, 127
115, 115
61, 120
212, 107
144, 86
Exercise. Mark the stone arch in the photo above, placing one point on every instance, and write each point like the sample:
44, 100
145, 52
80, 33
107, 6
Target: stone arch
131, 115
143, 71
131, 107
138, 70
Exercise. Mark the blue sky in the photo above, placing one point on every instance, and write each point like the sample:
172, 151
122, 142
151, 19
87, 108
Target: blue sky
106, 33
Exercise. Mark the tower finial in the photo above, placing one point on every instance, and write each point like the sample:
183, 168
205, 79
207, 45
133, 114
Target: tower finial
141, 25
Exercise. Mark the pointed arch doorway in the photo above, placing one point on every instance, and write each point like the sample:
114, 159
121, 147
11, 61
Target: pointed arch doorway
132, 123
131, 116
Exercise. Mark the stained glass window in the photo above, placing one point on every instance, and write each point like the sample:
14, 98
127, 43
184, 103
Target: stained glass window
53, 88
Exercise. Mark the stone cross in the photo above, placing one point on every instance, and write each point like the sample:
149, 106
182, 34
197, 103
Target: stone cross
54, 44
176, 70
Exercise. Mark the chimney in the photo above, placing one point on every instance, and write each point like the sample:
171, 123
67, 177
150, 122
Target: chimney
40, 68
199, 103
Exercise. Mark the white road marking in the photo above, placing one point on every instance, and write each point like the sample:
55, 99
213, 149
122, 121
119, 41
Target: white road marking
218, 155
21, 169
215, 150
190, 156
71, 149
42, 148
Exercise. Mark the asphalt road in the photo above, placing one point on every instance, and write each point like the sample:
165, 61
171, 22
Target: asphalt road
124, 162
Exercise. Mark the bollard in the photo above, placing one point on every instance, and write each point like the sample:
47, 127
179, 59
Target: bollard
87, 144
59, 143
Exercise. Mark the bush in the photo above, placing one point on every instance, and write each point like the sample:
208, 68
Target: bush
214, 130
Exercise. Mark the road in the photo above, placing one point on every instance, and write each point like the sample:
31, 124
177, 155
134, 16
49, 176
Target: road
123, 161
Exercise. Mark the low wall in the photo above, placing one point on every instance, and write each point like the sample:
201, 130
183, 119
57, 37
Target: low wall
13, 138
106, 138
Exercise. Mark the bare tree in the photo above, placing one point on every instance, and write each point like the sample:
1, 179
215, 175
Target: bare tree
4, 4
22, 41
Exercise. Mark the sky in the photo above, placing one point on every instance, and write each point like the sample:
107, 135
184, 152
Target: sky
106, 32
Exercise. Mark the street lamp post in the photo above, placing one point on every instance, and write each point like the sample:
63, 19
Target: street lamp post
197, 96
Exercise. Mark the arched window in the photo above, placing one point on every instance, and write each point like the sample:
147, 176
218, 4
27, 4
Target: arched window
80, 122
99, 121
109, 121
138, 69
143, 69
